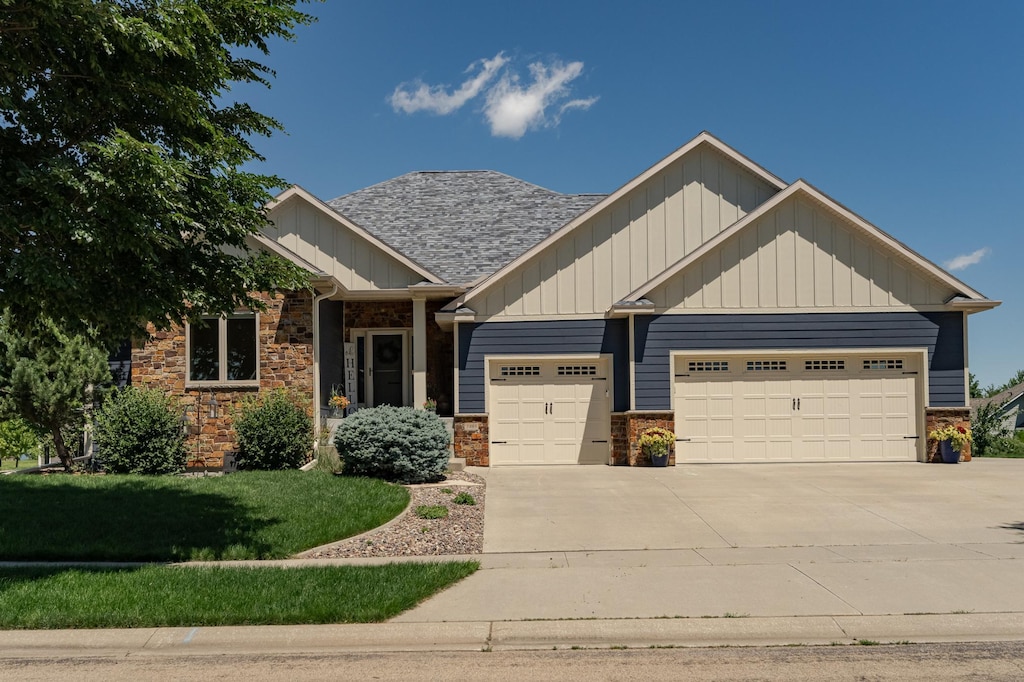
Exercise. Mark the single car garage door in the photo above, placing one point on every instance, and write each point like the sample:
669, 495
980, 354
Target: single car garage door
807, 408
549, 412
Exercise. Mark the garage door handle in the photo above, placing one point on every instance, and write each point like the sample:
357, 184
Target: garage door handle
683, 440
911, 437
499, 442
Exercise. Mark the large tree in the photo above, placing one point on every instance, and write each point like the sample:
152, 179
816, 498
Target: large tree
121, 196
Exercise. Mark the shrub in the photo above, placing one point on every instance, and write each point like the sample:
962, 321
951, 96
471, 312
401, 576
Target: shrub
432, 511
394, 443
273, 433
1007, 446
988, 428
138, 431
464, 498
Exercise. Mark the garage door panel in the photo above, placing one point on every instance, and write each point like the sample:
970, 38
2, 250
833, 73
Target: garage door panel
816, 409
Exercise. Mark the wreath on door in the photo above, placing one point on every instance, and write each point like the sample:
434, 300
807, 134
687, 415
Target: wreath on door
387, 354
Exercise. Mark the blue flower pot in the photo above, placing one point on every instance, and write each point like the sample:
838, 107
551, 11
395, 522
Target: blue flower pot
659, 460
949, 455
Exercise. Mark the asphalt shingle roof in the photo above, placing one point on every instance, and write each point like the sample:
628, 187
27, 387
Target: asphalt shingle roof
460, 225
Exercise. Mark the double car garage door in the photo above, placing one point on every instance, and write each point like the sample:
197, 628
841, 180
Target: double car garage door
812, 408
735, 408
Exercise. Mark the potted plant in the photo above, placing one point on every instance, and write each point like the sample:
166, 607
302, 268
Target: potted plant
338, 403
952, 440
655, 443
430, 405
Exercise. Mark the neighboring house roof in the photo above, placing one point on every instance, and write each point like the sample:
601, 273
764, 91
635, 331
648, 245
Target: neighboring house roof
462, 225
999, 398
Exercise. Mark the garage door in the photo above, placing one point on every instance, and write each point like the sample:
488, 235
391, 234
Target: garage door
810, 408
549, 412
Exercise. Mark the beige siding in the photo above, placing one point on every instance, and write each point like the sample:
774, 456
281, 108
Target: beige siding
634, 239
799, 255
335, 249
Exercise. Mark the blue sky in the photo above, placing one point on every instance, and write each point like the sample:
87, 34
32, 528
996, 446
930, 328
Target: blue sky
909, 113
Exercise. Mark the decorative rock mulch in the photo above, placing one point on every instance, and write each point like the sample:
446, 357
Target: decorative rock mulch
461, 532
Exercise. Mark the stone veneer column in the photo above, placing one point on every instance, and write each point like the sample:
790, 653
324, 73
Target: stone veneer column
636, 423
472, 439
936, 417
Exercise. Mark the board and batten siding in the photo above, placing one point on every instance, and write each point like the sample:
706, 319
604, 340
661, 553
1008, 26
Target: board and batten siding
536, 338
658, 335
631, 241
799, 255
358, 264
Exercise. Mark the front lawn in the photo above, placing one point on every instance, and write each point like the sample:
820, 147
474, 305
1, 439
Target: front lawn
157, 596
247, 515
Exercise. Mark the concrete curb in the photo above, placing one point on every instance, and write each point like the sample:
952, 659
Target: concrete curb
514, 635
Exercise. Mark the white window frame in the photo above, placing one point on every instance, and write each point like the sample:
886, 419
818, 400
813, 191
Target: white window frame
222, 352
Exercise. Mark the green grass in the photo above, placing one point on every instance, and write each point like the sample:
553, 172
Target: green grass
6, 464
155, 596
432, 511
247, 515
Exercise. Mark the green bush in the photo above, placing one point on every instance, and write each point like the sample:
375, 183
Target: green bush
431, 511
394, 443
138, 431
464, 498
1008, 446
273, 433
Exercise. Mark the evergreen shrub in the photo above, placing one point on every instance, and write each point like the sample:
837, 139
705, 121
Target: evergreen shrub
393, 443
138, 431
273, 433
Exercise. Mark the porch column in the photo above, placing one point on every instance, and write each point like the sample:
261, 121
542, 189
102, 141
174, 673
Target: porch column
419, 352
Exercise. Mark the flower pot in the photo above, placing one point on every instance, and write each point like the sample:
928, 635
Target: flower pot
949, 455
659, 460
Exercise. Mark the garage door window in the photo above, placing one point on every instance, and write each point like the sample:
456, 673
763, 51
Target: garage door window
709, 366
766, 365
577, 370
883, 364
520, 371
825, 365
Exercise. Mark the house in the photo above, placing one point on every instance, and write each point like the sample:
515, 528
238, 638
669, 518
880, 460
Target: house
1011, 406
760, 320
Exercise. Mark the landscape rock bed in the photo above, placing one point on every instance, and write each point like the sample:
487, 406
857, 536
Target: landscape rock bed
461, 532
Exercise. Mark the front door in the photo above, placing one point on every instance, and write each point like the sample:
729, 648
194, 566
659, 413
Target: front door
387, 369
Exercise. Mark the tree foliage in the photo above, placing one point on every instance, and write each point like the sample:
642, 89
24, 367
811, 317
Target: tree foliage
120, 149
16, 438
46, 377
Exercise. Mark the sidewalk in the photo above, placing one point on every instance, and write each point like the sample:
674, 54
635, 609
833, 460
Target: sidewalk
693, 597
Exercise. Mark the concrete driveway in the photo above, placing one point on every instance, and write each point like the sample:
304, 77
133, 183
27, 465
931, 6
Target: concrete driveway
942, 511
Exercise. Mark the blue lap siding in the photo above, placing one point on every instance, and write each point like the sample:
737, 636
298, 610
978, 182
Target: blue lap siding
941, 333
552, 337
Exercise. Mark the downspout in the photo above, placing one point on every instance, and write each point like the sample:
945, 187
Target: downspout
316, 360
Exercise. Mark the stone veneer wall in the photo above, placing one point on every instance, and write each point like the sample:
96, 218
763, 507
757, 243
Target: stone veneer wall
285, 357
636, 424
936, 417
440, 344
472, 439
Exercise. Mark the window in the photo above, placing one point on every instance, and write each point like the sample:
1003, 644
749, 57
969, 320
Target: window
223, 349
815, 365
520, 371
709, 366
883, 364
766, 365
577, 370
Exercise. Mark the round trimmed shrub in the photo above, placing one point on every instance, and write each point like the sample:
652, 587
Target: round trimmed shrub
394, 443
273, 433
138, 431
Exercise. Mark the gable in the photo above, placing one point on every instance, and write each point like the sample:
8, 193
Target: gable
800, 255
633, 236
321, 238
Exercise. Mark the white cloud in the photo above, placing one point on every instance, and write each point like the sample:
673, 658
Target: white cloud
418, 96
510, 107
967, 260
